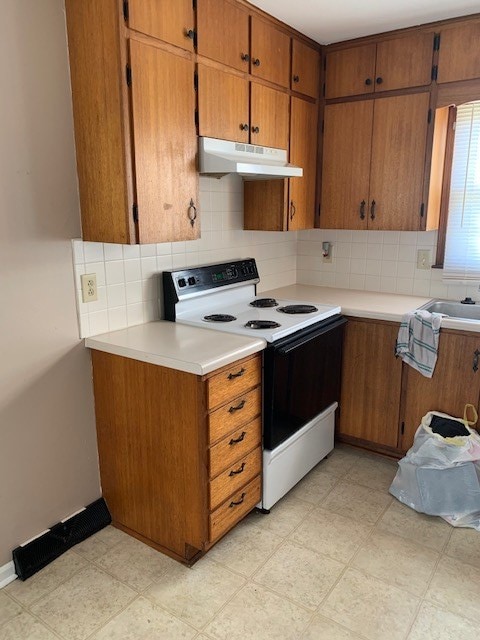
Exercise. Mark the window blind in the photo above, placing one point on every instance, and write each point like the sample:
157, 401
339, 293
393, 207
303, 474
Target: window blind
462, 248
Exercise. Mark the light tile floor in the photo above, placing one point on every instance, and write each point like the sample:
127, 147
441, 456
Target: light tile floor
336, 559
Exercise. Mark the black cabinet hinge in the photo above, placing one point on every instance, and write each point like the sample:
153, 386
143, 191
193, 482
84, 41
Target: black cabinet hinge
194, 5
422, 209
402, 428
323, 90
325, 63
429, 116
197, 121
135, 212
195, 81
125, 10
323, 126
319, 211
434, 72
436, 42
128, 74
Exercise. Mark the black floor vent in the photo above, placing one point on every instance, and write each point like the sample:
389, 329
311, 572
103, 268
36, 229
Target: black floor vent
60, 538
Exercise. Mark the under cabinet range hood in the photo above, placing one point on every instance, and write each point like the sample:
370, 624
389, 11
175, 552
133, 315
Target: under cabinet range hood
220, 157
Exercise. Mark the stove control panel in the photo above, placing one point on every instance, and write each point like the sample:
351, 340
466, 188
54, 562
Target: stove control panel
183, 283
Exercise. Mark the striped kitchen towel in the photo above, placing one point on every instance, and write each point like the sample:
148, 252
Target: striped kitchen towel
417, 341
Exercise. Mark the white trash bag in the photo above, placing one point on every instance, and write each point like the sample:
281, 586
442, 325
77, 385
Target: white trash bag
440, 474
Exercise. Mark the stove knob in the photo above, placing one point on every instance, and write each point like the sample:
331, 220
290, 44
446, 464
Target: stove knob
182, 282
191, 280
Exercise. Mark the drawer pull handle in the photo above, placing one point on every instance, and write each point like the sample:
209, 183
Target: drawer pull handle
476, 353
235, 504
239, 374
235, 473
239, 406
239, 439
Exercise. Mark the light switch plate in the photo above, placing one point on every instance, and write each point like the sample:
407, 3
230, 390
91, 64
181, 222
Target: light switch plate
89, 287
423, 259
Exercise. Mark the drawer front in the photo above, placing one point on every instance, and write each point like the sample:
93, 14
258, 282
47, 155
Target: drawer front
235, 446
226, 516
235, 477
239, 411
234, 381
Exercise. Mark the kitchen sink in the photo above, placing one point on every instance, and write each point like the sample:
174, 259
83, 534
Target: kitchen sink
454, 309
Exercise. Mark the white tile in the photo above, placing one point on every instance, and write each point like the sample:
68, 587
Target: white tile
148, 267
179, 260
151, 288
438, 290
164, 248
343, 249
359, 250
374, 251
456, 291
358, 266
357, 281
360, 236
98, 305
77, 250
372, 283
116, 295
421, 287
98, 268
342, 280
388, 269
387, 284
344, 235
134, 314
390, 252
391, 237
404, 285
114, 272
405, 270
408, 238
147, 250
131, 251
113, 251
374, 268
151, 310
375, 237
342, 265
98, 322
84, 325
407, 253
132, 270
93, 251
164, 262
427, 238
134, 292
79, 270
117, 318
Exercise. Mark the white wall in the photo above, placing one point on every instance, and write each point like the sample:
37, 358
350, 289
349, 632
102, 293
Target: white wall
48, 457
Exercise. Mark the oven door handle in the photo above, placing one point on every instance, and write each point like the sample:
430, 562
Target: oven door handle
283, 351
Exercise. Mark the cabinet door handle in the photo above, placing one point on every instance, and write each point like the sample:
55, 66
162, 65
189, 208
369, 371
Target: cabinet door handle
255, 129
245, 57
368, 81
256, 62
192, 212
190, 33
372, 209
362, 210
243, 127
475, 360
239, 374
296, 78
239, 406
235, 473
235, 504
293, 210
379, 80
239, 439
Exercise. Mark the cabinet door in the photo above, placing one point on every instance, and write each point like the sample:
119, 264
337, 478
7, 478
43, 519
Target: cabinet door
223, 33
269, 117
398, 158
453, 385
347, 142
169, 20
371, 380
459, 54
350, 72
223, 108
165, 144
303, 153
305, 69
404, 62
270, 53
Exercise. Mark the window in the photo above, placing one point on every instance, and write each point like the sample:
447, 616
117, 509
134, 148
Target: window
462, 248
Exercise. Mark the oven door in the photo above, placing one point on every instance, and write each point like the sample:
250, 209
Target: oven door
302, 377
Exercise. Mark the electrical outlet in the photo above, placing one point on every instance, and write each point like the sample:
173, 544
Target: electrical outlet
89, 287
327, 258
423, 259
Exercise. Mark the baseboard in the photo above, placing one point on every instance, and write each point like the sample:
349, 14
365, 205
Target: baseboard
7, 574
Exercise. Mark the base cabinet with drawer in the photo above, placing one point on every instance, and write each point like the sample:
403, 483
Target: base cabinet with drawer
180, 454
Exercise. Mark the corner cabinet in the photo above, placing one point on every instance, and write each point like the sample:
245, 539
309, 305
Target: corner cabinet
459, 53
374, 163
136, 143
180, 455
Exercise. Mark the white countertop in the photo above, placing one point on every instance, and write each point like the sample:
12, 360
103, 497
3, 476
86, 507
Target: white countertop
177, 346
366, 304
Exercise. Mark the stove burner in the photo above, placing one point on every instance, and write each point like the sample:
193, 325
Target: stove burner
219, 317
298, 308
264, 302
262, 324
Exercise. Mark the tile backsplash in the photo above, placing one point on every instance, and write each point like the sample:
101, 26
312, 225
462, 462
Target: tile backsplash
128, 275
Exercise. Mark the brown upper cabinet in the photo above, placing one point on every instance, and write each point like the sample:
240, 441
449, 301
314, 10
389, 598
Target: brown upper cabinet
223, 33
373, 163
270, 53
136, 146
305, 69
168, 20
288, 205
459, 53
397, 63
231, 108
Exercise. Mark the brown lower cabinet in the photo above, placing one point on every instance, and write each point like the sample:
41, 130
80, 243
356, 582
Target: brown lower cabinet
180, 454
383, 401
